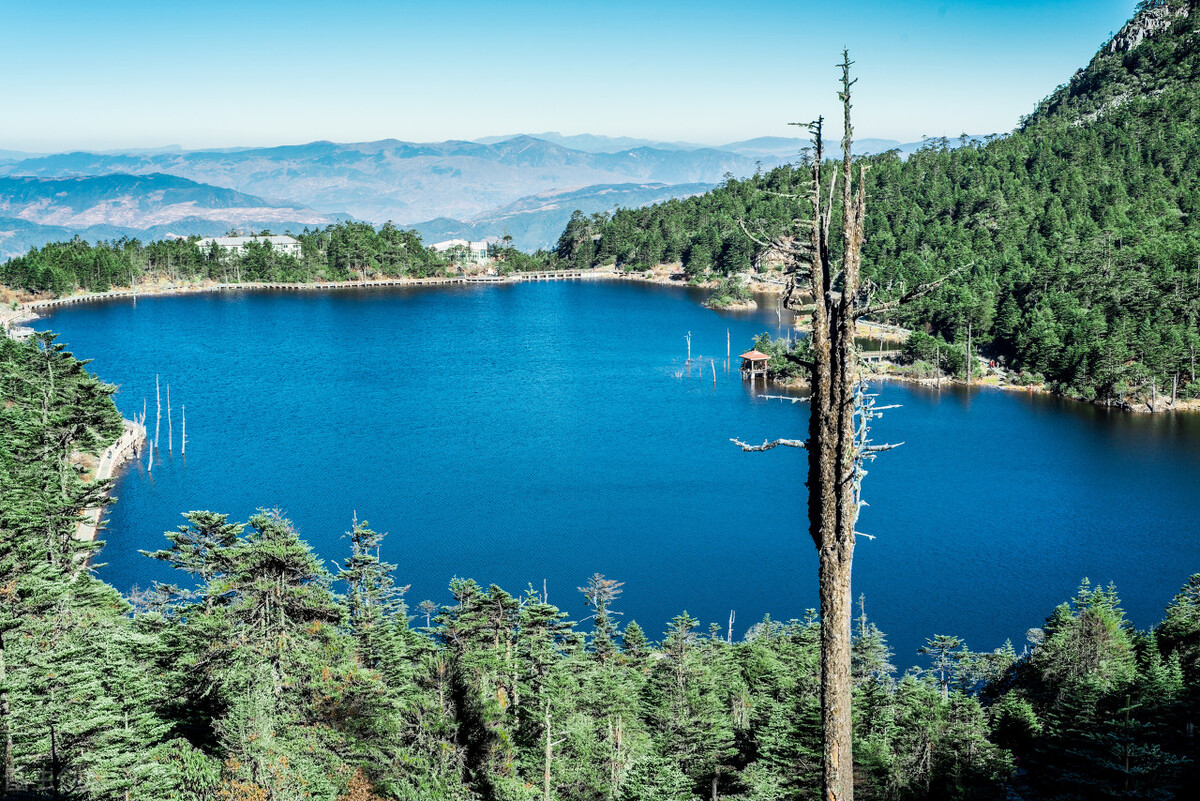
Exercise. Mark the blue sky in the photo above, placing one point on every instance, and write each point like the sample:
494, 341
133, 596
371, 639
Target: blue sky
97, 75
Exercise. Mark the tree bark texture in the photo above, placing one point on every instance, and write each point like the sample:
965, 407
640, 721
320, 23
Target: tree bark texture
837, 441
832, 497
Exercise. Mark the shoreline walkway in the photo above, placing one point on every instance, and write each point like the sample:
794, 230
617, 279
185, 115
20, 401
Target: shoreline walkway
27, 310
130, 441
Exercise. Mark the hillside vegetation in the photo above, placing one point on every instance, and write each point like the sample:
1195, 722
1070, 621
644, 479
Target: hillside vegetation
263, 675
340, 252
1077, 235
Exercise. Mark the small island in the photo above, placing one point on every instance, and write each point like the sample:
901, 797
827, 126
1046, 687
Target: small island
731, 293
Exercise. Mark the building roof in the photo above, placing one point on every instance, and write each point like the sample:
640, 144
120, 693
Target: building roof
450, 243
754, 355
237, 241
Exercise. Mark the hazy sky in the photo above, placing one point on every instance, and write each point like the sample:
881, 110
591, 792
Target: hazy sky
127, 73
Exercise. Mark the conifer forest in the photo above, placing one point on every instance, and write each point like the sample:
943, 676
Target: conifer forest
263, 674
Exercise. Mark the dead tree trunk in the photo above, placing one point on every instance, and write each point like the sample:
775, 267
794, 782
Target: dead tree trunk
158, 415
548, 757
832, 454
832, 501
837, 441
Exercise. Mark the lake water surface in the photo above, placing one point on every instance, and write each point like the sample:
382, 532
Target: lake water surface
515, 434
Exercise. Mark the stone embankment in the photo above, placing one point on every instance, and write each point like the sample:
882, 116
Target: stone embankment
10, 318
188, 289
128, 445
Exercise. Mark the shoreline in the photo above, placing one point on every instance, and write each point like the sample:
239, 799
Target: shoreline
26, 311
1138, 407
114, 456
13, 320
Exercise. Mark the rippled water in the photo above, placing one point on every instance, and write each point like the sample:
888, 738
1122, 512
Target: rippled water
515, 434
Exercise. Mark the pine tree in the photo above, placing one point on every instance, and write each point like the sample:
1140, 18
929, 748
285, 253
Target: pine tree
279, 646
199, 548
685, 704
599, 595
942, 650
1087, 639
1180, 630
376, 611
634, 642
870, 655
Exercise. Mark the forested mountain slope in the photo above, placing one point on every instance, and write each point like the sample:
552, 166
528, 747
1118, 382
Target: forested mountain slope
1081, 227
1077, 235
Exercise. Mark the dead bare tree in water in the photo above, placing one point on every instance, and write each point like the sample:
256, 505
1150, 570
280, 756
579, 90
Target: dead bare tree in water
838, 441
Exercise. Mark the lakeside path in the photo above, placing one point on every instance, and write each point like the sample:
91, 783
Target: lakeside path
127, 445
11, 319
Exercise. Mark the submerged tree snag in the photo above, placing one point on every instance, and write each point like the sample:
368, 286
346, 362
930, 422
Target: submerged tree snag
838, 445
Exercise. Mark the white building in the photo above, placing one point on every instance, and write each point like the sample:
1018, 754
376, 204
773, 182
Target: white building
237, 244
475, 251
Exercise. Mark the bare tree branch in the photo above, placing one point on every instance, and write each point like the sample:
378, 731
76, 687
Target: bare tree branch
778, 244
918, 291
794, 247
788, 195
769, 444
753, 238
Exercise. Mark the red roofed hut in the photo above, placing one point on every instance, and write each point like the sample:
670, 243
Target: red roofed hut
754, 364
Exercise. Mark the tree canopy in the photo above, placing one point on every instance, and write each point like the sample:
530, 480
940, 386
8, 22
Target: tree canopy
262, 674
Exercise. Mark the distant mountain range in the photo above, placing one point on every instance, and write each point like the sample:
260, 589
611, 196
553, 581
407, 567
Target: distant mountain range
537, 221
402, 181
34, 210
774, 147
522, 185
593, 143
138, 201
789, 148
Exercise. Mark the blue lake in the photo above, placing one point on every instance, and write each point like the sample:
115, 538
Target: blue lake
515, 434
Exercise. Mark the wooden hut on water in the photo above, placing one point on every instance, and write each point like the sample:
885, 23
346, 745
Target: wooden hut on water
754, 364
